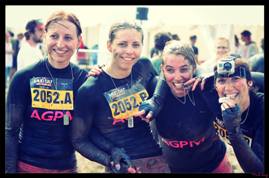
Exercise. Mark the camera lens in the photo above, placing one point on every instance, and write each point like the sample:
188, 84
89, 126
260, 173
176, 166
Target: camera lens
227, 66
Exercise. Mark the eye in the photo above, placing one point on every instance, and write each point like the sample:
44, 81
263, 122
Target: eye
122, 44
136, 45
235, 79
170, 70
68, 38
221, 81
184, 69
53, 36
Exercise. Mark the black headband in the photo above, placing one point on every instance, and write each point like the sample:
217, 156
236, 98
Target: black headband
240, 71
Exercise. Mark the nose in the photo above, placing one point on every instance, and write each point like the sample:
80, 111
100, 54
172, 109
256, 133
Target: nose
228, 85
178, 76
129, 49
60, 43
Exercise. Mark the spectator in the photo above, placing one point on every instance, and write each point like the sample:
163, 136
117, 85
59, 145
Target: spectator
16, 48
222, 50
257, 61
8, 58
193, 40
30, 51
159, 42
250, 47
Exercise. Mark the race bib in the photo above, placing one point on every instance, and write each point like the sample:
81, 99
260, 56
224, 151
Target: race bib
44, 94
222, 132
124, 102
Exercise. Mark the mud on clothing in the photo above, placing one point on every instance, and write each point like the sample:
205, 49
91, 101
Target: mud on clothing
253, 126
105, 103
39, 103
188, 138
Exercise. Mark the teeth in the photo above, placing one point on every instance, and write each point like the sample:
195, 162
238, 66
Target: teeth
223, 99
178, 85
59, 51
232, 96
227, 97
127, 58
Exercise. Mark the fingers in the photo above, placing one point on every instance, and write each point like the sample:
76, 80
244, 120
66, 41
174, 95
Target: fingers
138, 170
193, 83
149, 115
142, 113
227, 105
196, 82
190, 82
202, 85
115, 165
131, 170
139, 113
94, 72
223, 106
101, 66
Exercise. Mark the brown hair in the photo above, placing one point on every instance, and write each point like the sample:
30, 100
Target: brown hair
175, 47
61, 15
122, 26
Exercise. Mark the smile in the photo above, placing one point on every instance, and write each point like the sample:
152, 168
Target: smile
231, 96
127, 58
178, 86
60, 51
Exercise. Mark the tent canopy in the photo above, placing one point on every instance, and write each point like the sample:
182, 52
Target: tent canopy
18, 16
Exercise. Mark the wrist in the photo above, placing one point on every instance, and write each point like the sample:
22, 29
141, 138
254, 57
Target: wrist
234, 131
157, 99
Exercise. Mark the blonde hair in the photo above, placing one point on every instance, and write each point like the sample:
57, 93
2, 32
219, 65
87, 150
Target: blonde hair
223, 39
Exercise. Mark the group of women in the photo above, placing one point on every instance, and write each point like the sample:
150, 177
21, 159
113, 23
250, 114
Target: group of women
53, 109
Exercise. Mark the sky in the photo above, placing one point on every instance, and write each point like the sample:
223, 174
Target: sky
18, 16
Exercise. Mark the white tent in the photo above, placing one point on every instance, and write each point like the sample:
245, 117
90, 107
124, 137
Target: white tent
223, 18
17, 16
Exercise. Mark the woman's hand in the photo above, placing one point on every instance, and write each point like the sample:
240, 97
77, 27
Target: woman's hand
231, 115
95, 70
192, 83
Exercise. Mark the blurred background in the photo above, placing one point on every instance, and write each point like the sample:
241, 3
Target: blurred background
206, 22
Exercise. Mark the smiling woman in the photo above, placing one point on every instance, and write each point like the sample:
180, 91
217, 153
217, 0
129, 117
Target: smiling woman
242, 115
114, 99
40, 104
62, 38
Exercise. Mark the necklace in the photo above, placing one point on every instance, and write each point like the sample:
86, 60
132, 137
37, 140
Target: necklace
130, 119
185, 98
182, 102
244, 120
66, 117
116, 85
